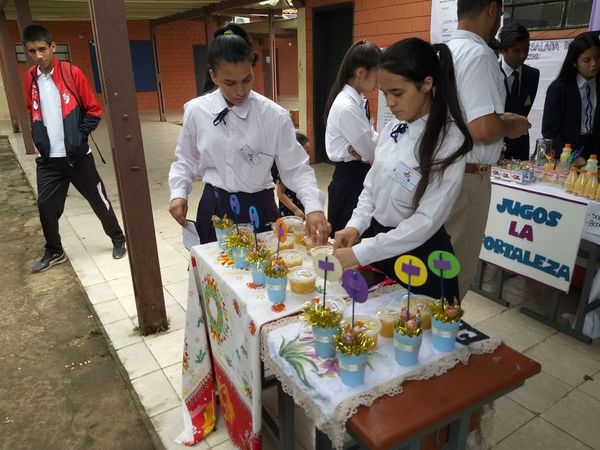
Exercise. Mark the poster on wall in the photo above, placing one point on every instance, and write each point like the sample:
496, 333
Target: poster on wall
533, 235
443, 20
547, 56
384, 115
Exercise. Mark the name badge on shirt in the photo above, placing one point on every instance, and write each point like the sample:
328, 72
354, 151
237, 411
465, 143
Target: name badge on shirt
250, 156
406, 176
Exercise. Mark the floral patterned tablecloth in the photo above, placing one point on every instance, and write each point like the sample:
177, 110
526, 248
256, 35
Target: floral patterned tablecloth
225, 312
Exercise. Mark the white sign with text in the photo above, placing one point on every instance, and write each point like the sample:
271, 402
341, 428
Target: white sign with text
533, 235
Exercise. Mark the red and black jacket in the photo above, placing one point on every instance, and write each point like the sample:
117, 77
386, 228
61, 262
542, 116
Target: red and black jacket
81, 111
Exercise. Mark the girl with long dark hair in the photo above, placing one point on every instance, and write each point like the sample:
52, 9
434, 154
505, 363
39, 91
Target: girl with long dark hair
571, 111
419, 165
350, 139
230, 139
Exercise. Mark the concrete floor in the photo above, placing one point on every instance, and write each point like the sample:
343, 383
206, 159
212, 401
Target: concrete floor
556, 410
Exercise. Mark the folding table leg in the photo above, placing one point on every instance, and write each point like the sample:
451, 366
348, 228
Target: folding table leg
458, 432
322, 441
286, 419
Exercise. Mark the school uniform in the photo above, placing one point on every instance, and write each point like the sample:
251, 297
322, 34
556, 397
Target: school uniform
348, 125
481, 91
385, 208
572, 115
232, 150
521, 86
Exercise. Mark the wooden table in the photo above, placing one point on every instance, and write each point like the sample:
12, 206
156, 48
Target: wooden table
444, 406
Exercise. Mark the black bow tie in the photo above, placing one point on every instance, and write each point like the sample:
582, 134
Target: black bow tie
221, 117
398, 129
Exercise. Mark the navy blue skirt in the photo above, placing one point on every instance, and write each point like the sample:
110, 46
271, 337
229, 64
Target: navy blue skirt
215, 201
432, 287
344, 190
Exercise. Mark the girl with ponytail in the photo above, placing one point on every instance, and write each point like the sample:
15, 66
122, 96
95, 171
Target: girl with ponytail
419, 165
349, 137
231, 138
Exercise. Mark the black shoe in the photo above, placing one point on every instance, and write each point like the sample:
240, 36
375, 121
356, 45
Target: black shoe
119, 250
49, 259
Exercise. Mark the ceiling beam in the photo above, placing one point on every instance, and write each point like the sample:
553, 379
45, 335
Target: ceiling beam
226, 5
196, 13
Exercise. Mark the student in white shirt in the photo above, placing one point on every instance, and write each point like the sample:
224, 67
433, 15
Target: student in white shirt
482, 95
571, 110
230, 138
350, 139
418, 167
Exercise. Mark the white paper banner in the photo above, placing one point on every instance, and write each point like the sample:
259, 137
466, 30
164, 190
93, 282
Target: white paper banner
443, 20
592, 219
533, 235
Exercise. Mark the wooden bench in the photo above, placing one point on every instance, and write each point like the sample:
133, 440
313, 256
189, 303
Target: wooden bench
433, 414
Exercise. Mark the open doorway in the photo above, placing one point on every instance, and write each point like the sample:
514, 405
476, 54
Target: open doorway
332, 37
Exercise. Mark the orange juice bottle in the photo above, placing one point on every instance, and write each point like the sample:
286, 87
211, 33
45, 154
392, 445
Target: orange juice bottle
580, 184
591, 186
571, 180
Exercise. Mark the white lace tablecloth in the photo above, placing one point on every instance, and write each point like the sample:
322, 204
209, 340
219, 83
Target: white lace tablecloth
315, 385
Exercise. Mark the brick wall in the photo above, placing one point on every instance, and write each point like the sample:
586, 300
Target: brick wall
287, 54
175, 47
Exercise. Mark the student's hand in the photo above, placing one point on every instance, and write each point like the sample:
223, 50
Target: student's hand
346, 257
517, 125
178, 209
317, 227
354, 153
345, 238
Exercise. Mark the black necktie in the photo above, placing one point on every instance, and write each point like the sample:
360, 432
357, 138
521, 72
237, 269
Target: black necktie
221, 117
588, 108
368, 110
514, 91
398, 129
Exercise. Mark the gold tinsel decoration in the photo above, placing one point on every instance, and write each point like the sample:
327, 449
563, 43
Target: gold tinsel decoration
409, 325
224, 223
259, 254
353, 343
446, 312
243, 239
319, 316
276, 268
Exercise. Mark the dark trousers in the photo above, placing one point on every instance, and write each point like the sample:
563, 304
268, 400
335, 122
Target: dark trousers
215, 201
517, 148
53, 178
432, 287
344, 190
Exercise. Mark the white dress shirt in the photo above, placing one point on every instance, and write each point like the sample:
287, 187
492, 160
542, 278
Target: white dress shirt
348, 126
480, 86
52, 113
581, 83
390, 203
509, 72
214, 153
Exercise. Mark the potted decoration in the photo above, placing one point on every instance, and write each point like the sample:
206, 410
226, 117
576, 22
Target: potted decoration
257, 258
324, 320
353, 348
276, 278
408, 336
445, 321
238, 245
223, 226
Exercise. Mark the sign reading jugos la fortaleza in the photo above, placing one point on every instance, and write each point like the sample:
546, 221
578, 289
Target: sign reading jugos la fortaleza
534, 235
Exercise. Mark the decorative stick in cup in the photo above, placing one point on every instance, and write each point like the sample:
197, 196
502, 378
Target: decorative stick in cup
281, 232
356, 287
255, 221
234, 203
445, 265
411, 271
327, 265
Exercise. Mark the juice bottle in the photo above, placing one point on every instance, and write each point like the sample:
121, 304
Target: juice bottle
571, 180
564, 163
591, 186
580, 184
592, 164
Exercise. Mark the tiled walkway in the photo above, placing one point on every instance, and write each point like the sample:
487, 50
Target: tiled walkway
557, 410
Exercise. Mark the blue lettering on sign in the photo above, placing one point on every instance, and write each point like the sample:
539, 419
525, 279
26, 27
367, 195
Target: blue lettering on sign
529, 212
525, 257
